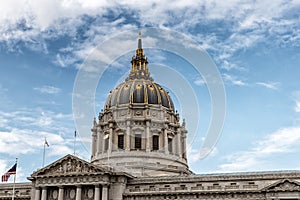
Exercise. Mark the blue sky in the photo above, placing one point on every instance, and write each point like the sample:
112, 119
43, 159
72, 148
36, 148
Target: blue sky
254, 44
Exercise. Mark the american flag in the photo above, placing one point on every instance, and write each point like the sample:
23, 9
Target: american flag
12, 170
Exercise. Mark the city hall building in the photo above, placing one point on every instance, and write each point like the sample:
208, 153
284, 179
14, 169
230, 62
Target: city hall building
139, 153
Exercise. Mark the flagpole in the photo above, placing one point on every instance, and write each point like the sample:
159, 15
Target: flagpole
15, 175
74, 142
44, 153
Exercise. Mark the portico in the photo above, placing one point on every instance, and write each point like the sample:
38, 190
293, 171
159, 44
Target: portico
73, 178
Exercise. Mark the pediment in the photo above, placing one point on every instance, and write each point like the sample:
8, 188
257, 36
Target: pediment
70, 165
284, 185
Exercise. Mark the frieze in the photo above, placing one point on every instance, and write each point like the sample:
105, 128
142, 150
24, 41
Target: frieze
69, 165
285, 185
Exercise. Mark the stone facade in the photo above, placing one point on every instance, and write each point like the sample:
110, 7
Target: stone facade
139, 153
256, 186
99, 184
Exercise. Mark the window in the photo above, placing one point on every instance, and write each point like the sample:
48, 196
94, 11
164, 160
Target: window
138, 141
120, 141
155, 143
106, 144
170, 144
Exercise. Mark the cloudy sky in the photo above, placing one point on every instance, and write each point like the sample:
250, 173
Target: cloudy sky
255, 45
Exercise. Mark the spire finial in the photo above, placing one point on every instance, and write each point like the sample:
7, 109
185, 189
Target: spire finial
139, 63
140, 40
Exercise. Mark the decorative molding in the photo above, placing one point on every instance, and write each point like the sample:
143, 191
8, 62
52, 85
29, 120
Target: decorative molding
284, 185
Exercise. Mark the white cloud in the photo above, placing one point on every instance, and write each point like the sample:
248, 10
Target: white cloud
22, 134
195, 155
233, 80
47, 89
286, 140
3, 166
270, 85
230, 65
199, 81
3, 122
65, 16
37, 119
296, 98
297, 106
24, 141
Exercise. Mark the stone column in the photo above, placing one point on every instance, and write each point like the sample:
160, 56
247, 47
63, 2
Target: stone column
37, 194
94, 142
97, 192
104, 192
97, 148
99, 142
78, 192
166, 141
184, 144
44, 193
148, 136
103, 142
61, 193
178, 137
127, 136
110, 143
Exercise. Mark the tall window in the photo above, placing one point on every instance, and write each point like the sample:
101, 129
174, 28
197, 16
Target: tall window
120, 141
106, 144
138, 141
170, 145
155, 142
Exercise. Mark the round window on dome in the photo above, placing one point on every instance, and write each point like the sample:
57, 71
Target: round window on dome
151, 87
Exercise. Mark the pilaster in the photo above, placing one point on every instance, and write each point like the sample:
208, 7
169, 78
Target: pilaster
147, 136
127, 136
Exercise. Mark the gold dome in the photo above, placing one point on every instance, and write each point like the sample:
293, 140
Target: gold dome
139, 92
139, 88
